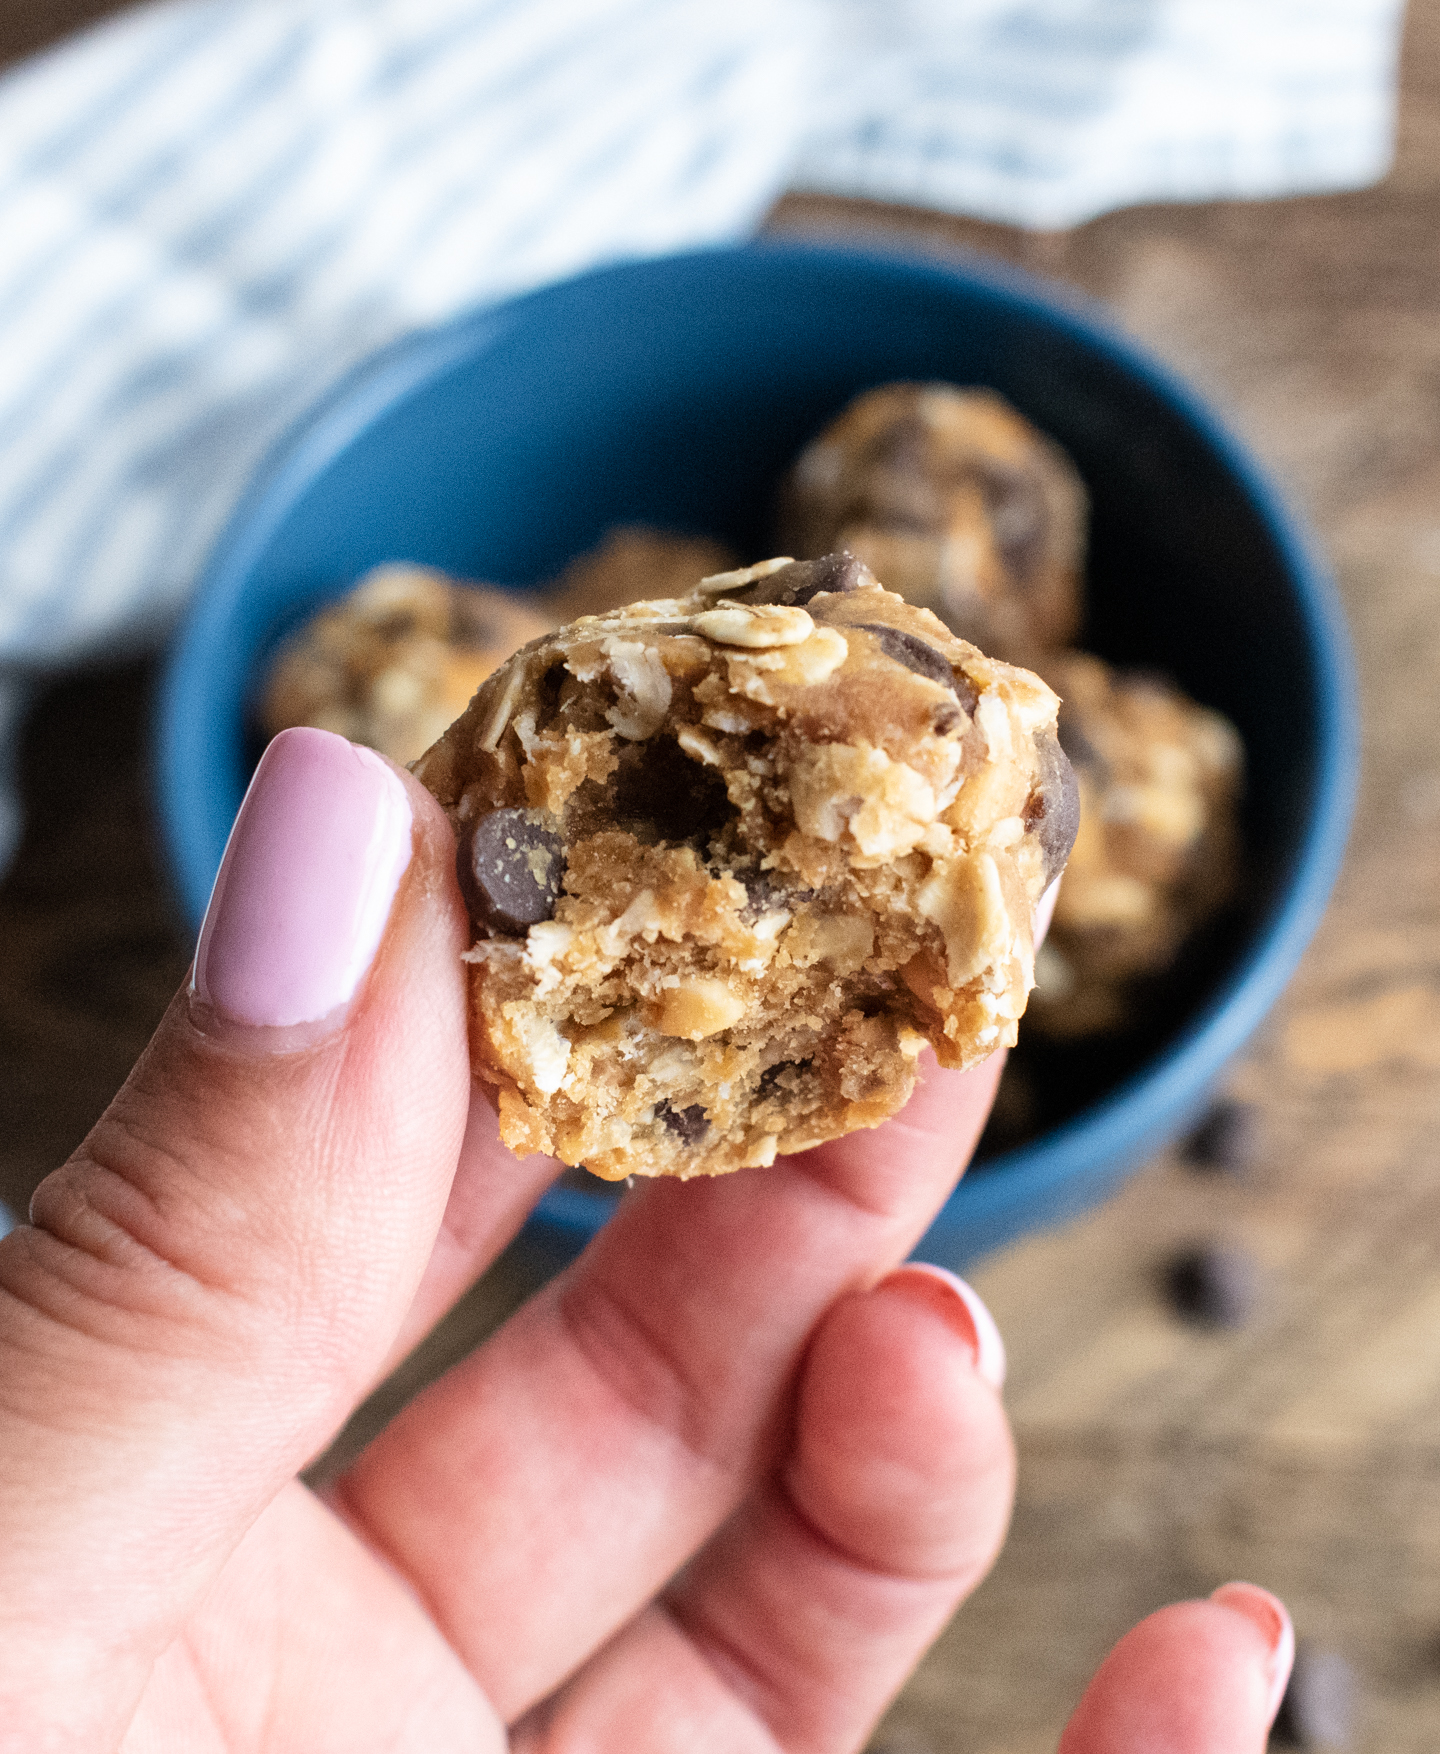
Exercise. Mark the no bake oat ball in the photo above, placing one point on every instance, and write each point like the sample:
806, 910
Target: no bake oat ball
392, 663
634, 562
958, 503
732, 858
1158, 851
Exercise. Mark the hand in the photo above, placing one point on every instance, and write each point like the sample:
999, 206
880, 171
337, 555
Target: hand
715, 1487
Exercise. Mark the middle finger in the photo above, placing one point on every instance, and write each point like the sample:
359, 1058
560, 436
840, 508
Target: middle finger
490, 1198
541, 1492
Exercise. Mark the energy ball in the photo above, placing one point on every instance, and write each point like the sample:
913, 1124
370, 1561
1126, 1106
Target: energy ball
1158, 851
633, 564
958, 503
392, 663
733, 858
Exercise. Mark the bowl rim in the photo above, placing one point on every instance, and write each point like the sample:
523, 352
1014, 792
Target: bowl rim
1108, 1136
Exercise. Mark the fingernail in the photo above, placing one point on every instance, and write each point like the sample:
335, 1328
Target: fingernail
1269, 1614
960, 1305
306, 884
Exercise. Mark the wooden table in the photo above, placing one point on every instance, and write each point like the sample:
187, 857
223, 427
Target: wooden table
1303, 1450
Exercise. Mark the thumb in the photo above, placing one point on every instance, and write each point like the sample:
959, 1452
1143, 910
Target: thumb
210, 1283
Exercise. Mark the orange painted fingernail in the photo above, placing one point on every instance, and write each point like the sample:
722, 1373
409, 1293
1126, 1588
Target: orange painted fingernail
1269, 1614
960, 1304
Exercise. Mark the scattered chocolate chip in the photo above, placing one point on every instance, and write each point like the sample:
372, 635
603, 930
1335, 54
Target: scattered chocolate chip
1212, 1287
659, 794
914, 653
946, 719
689, 1125
1227, 1141
773, 1078
510, 868
1318, 1710
794, 585
1053, 809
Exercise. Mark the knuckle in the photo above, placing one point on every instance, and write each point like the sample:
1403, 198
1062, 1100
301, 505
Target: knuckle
646, 1371
104, 1260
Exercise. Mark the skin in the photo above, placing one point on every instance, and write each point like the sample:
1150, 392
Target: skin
717, 1486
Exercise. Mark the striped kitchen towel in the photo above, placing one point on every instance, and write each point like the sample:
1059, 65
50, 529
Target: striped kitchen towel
210, 209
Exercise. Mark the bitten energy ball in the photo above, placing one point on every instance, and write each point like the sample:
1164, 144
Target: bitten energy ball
391, 664
1158, 850
958, 503
733, 858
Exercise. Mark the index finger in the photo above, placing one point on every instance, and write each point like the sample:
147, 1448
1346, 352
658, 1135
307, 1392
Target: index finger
542, 1492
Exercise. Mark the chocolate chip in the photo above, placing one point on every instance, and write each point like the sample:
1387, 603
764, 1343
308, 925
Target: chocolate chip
794, 585
398, 624
1226, 1142
1053, 809
510, 868
1318, 1710
914, 653
920, 656
1015, 505
903, 444
1212, 1287
763, 895
689, 1125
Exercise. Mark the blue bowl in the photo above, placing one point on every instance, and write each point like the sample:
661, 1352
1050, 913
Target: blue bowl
676, 392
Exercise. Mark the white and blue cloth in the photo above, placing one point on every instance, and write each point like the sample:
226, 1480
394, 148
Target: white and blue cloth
210, 209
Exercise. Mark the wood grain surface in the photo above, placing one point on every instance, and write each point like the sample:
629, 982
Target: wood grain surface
1302, 1450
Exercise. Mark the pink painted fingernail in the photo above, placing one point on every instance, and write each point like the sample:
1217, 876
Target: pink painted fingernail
306, 884
1269, 1614
960, 1305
